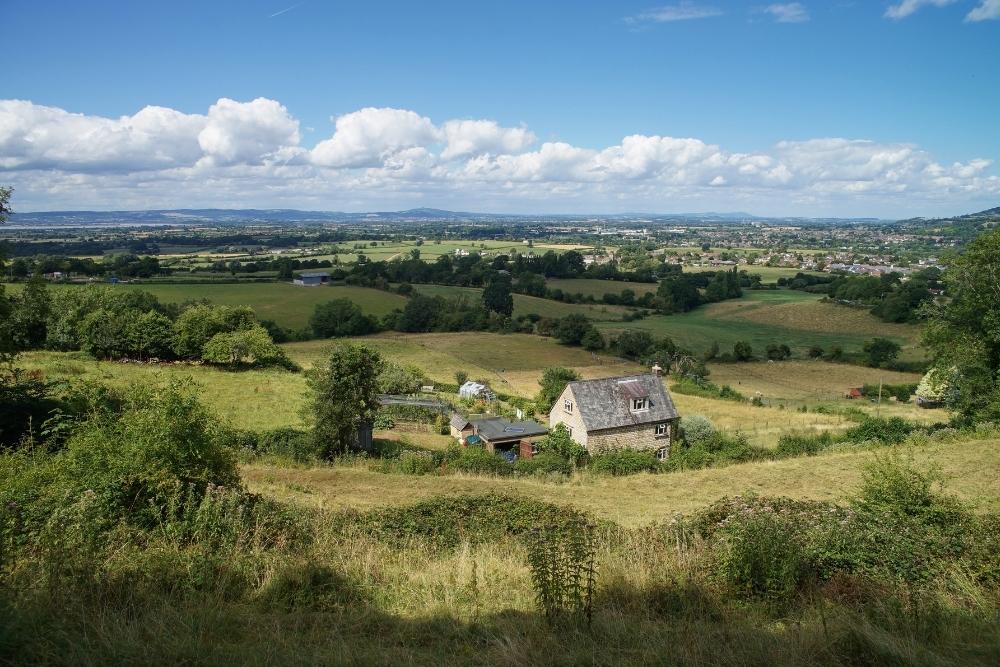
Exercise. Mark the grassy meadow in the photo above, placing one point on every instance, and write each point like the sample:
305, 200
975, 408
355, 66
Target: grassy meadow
761, 317
526, 305
598, 288
287, 304
643, 499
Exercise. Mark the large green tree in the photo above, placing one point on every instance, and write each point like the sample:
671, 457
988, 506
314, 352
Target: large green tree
497, 297
340, 317
963, 333
554, 380
343, 395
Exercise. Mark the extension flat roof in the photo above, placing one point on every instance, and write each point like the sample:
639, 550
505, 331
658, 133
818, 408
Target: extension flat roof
498, 429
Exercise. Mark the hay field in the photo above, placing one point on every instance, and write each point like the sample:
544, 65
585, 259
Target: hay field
510, 362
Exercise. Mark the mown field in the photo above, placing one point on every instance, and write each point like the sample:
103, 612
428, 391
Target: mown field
761, 317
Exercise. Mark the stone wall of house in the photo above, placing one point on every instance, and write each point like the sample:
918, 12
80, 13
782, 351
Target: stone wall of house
559, 415
632, 437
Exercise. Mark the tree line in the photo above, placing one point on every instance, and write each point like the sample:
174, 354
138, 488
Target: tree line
110, 323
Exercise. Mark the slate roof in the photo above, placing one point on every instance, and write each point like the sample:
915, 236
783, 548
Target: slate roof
498, 428
314, 274
459, 422
606, 403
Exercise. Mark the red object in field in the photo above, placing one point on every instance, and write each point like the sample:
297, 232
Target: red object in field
852, 393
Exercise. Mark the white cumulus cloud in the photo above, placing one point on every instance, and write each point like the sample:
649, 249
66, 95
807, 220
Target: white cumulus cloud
365, 138
250, 153
907, 7
475, 137
788, 12
36, 136
248, 132
988, 10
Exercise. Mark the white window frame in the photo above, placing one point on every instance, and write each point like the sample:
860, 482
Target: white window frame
568, 406
569, 430
661, 431
640, 404
661, 454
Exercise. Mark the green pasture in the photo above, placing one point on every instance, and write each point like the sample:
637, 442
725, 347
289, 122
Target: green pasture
524, 305
288, 305
796, 319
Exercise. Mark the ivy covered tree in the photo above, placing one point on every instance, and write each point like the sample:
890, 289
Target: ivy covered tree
343, 395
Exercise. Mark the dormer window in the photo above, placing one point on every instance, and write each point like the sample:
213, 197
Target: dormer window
639, 404
568, 406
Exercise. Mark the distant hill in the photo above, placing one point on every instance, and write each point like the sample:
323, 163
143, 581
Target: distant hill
964, 227
222, 216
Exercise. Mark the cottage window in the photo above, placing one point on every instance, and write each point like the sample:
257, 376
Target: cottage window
640, 404
569, 431
661, 454
661, 431
568, 406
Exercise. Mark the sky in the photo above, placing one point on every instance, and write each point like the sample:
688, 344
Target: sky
816, 108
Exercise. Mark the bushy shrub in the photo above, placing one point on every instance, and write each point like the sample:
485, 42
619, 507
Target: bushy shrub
411, 463
479, 461
697, 429
162, 439
624, 461
890, 431
293, 443
543, 463
561, 444
757, 558
447, 521
803, 444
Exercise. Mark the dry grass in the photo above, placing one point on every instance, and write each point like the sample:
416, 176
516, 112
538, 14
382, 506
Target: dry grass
639, 499
762, 425
816, 316
800, 382
510, 362
255, 399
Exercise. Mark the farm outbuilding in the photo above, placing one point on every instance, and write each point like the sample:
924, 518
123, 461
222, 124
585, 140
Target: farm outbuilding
510, 439
313, 279
853, 393
460, 427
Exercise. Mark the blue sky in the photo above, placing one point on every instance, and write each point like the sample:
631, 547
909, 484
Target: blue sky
917, 81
